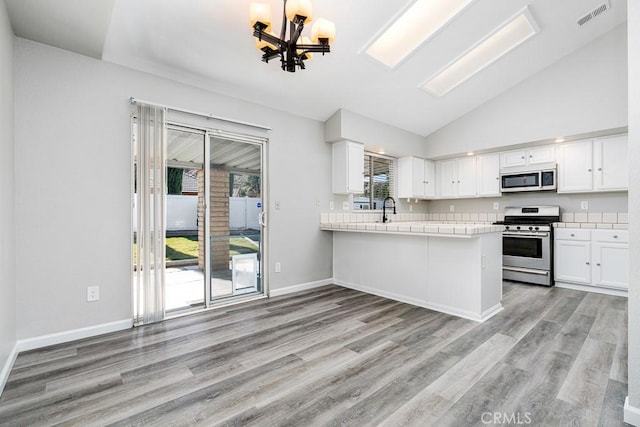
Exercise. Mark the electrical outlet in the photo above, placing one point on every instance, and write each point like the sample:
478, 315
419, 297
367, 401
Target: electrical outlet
584, 205
496, 206
345, 206
452, 208
278, 267
332, 205
93, 293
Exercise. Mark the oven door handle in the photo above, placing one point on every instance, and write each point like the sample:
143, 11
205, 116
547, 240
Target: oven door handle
506, 233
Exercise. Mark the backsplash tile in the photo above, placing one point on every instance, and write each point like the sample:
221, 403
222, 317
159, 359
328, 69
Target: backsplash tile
594, 217
581, 217
592, 220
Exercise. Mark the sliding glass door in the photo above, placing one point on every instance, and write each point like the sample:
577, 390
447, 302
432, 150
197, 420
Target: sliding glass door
236, 217
213, 226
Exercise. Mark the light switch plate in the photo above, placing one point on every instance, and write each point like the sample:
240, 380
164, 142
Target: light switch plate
345, 206
332, 205
277, 203
452, 208
584, 205
496, 206
278, 267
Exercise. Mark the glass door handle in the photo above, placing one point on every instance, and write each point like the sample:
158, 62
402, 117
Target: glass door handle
261, 218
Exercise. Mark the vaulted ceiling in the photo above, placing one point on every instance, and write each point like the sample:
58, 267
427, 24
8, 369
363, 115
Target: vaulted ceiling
209, 44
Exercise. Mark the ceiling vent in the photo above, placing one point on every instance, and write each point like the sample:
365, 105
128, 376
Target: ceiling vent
594, 13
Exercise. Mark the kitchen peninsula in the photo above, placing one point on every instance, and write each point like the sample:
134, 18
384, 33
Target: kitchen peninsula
451, 268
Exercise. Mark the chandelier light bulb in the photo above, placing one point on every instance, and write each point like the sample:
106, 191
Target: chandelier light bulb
260, 12
300, 8
323, 29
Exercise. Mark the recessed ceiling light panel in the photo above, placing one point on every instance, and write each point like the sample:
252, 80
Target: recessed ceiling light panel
492, 47
412, 27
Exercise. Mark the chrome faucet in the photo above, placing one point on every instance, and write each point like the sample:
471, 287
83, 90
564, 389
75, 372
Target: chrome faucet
384, 208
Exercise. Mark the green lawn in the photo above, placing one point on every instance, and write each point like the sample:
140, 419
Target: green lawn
186, 247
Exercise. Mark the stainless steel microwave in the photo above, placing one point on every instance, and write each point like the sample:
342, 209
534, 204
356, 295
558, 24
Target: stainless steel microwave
539, 179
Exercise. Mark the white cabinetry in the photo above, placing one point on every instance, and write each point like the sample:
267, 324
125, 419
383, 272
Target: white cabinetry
575, 167
416, 178
596, 258
572, 256
488, 175
610, 259
593, 165
610, 160
348, 167
530, 156
456, 177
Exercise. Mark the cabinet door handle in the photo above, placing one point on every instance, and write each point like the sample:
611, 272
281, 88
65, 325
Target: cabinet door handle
598, 264
531, 156
588, 170
599, 169
587, 262
458, 182
453, 182
573, 235
615, 236
522, 157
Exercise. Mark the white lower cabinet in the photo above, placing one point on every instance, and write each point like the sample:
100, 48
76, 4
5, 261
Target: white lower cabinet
573, 261
597, 258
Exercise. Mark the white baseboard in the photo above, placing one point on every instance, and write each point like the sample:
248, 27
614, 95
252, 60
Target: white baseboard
8, 365
631, 413
300, 287
597, 290
76, 334
420, 303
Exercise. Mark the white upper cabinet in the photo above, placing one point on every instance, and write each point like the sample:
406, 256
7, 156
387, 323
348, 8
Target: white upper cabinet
488, 175
416, 178
575, 167
530, 156
594, 165
466, 176
348, 167
456, 177
610, 160
447, 173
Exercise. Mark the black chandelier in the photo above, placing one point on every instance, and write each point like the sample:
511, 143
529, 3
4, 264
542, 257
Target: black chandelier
298, 48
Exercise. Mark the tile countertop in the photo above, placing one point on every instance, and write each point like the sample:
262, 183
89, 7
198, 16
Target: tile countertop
424, 228
591, 225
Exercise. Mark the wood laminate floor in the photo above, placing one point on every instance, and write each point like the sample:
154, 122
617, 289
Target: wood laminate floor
335, 356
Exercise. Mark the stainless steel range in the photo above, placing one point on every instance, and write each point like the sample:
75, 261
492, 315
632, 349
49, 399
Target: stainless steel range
527, 243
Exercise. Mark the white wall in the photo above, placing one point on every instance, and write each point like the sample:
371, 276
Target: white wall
375, 135
7, 218
72, 140
583, 92
634, 206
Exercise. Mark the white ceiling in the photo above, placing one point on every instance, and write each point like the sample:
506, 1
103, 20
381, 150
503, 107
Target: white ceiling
209, 43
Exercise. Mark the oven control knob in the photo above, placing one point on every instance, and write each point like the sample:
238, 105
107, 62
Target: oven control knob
518, 228
537, 228
506, 227
531, 228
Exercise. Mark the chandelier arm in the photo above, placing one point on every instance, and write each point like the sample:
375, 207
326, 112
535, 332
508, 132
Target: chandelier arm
296, 30
261, 35
320, 48
283, 31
